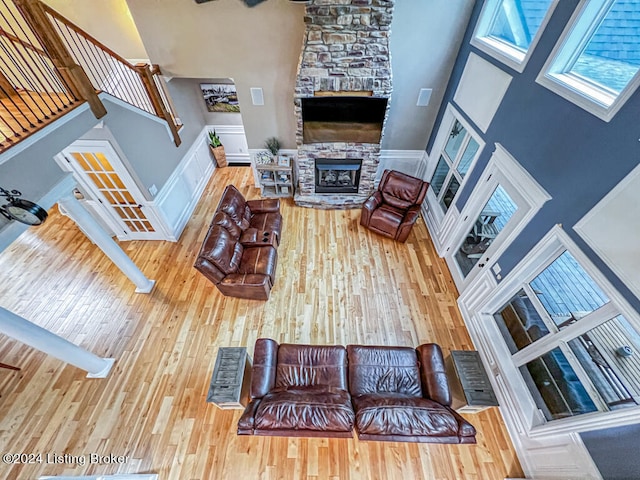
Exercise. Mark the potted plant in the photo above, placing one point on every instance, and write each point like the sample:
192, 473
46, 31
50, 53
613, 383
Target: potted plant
217, 149
273, 145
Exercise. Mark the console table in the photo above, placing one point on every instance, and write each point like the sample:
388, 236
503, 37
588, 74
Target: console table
231, 377
471, 389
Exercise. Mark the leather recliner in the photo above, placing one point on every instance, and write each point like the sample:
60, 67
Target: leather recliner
394, 208
401, 394
298, 390
239, 253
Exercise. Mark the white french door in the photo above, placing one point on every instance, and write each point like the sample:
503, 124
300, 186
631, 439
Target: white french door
115, 196
504, 200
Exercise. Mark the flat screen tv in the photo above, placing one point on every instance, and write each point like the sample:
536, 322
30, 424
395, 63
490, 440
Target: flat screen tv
342, 119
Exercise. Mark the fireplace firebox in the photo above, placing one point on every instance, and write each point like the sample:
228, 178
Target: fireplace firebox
337, 175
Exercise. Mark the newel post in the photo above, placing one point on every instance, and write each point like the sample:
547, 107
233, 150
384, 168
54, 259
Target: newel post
72, 74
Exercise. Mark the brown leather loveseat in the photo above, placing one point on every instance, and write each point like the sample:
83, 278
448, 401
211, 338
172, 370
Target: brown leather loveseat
239, 253
385, 393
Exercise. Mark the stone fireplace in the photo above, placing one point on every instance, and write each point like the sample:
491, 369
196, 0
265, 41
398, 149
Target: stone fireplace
341, 101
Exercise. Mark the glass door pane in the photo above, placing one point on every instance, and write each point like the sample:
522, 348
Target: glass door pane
456, 137
450, 193
439, 176
492, 219
467, 157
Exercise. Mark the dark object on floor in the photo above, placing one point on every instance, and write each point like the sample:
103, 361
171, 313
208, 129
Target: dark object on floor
396, 394
394, 208
239, 253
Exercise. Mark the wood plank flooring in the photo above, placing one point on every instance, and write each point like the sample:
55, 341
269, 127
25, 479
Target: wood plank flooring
336, 283
27, 112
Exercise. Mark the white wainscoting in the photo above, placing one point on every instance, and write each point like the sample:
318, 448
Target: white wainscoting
177, 199
405, 161
234, 141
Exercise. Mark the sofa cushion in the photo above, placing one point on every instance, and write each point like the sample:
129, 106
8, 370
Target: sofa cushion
234, 205
262, 260
387, 219
393, 414
311, 365
400, 190
381, 369
305, 409
222, 250
225, 221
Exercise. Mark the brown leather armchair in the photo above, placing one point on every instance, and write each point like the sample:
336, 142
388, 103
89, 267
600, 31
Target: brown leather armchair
394, 208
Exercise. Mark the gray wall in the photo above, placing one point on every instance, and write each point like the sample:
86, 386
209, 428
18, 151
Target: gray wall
33, 171
260, 47
425, 39
577, 158
145, 144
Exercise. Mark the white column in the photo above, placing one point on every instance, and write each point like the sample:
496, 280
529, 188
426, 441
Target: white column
101, 238
26, 332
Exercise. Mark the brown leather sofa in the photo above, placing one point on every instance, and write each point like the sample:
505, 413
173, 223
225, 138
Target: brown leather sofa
386, 393
239, 253
394, 208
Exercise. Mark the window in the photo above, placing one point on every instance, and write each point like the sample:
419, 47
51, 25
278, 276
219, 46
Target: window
509, 29
457, 156
597, 59
575, 350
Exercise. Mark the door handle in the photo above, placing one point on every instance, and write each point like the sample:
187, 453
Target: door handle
481, 265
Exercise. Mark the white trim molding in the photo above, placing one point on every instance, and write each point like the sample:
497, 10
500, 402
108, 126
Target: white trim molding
546, 449
178, 198
235, 142
611, 229
405, 161
556, 73
504, 170
511, 55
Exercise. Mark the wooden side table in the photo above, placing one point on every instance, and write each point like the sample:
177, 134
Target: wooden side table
231, 378
471, 389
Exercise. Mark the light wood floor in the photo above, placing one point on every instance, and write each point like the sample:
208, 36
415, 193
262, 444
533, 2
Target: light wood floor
336, 283
25, 113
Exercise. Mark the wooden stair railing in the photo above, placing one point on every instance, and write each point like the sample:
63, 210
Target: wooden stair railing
84, 65
32, 93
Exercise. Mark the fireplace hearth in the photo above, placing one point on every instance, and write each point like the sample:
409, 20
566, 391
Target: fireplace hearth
337, 175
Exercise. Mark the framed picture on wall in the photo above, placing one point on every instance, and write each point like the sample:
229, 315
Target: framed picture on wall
220, 97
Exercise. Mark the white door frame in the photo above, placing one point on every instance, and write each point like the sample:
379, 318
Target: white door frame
503, 169
100, 204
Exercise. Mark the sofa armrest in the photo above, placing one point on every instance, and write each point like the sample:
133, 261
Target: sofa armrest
263, 372
247, 420
409, 219
433, 374
264, 206
373, 202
